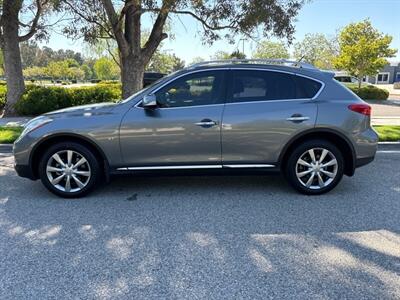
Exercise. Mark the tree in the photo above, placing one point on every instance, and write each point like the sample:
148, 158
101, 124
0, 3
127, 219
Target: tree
225, 55
121, 21
76, 73
13, 30
87, 70
271, 50
363, 50
106, 69
165, 63
58, 69
316, 49
34, 72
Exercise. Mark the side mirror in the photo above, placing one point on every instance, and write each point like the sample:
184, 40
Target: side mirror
149, 101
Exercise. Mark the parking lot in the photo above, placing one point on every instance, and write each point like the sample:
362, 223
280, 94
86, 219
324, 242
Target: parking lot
203, 238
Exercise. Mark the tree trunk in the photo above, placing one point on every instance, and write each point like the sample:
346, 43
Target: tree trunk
132, 73
12, 57
359, 82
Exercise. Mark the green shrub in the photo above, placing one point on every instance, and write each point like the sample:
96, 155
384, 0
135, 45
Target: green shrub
370, 92
38, 99
3, 93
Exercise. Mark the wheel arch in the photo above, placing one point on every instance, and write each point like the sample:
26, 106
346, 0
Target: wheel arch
40, 147
333, 136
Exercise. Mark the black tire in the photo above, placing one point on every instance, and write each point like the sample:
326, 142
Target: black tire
294, 156
83, 151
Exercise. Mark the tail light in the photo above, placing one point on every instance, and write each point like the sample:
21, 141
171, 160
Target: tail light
361, 108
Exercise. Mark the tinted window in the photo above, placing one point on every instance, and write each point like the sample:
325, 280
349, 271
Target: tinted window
250, 85
306, 88
261, 85
195, 89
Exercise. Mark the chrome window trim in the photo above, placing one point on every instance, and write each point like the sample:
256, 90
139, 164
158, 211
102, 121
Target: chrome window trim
188, 167
235, 68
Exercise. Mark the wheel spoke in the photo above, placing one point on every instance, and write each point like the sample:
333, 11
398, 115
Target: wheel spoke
78, 182
310, 180
330, 163
301, 174
304, 163
57, 179
312, 155
79, 163
53, 169
329, 174
320, 180
69, 157
58, 159
323, 155
82, 173
68, 184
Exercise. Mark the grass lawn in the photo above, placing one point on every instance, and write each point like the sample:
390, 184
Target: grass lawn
9, 134
386, 133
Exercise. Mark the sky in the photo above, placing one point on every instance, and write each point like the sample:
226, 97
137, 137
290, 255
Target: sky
317, 16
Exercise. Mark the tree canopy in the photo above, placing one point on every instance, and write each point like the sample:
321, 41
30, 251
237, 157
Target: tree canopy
363, 49
121, 21
317, 49
269, 49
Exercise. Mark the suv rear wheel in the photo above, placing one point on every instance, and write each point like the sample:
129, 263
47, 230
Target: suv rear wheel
69, 170
315, 167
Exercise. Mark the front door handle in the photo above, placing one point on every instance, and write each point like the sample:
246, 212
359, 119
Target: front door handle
297, 118
206, 123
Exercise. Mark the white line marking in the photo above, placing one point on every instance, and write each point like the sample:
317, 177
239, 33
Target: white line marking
389, 151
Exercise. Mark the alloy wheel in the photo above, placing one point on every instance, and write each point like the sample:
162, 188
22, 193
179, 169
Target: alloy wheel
68, 171
316, 168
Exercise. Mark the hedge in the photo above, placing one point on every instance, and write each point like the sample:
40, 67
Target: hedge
370, 92
3, 93
39, 100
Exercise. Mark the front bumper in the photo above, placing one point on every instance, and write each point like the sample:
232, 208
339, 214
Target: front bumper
25, 171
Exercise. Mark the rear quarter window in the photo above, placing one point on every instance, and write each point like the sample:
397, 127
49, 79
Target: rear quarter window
306, 88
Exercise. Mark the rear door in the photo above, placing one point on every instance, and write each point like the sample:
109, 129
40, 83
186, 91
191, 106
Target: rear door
263, 111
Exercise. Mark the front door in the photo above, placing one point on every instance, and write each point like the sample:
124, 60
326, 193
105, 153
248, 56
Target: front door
263, 111
183, 130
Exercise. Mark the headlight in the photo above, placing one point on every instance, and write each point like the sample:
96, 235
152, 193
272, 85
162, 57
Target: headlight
34, 124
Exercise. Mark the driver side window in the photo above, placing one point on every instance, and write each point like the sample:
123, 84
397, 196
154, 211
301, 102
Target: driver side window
201, 88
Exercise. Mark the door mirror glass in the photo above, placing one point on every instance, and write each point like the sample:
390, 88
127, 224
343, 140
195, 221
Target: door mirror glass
149, 101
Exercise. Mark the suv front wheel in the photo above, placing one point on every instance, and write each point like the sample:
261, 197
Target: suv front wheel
315, 167
69, 170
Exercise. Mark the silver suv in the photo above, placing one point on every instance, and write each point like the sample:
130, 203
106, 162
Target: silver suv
221, 116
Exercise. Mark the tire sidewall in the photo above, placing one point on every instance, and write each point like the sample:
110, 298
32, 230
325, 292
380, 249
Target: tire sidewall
295, 155
86, 153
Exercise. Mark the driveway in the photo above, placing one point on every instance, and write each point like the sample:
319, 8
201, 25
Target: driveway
203, 238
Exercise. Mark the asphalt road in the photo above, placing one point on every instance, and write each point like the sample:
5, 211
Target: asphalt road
203, 238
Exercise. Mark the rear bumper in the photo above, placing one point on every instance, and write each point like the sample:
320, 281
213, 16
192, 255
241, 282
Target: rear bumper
364, 161
25, 171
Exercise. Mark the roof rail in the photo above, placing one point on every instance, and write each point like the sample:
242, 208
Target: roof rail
284, 62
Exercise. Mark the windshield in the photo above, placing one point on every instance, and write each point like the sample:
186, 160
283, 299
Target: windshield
149, 87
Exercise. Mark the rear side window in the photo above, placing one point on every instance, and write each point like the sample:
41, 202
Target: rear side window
248, 85
261, 85
306, 88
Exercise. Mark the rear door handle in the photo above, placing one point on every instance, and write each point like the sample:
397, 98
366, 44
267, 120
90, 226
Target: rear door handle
298, 118
206, 123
